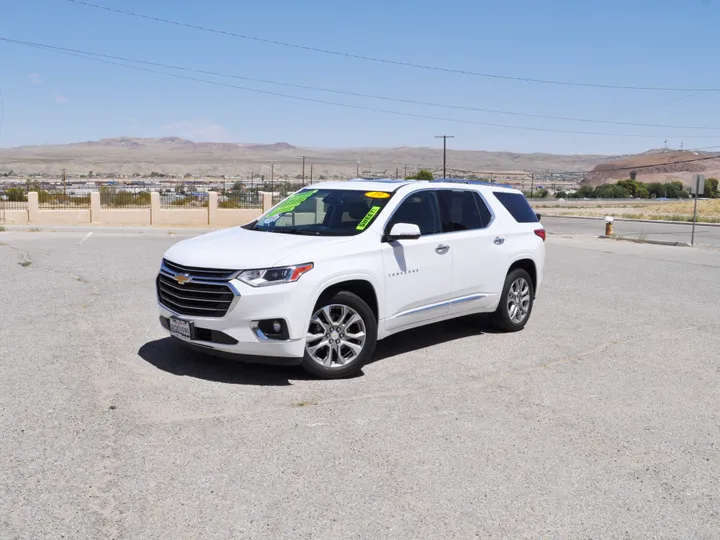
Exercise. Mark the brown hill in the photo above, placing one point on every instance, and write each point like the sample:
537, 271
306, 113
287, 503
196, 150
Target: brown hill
176, 156
656, 166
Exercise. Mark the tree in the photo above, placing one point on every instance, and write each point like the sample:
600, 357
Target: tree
16, 194
561, 195
642, 193
187, 175
422, 174
711, 188
633, 175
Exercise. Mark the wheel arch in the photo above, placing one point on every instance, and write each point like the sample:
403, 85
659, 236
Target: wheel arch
361, 286
527, 264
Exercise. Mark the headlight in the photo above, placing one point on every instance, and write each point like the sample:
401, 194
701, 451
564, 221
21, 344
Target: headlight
272, 276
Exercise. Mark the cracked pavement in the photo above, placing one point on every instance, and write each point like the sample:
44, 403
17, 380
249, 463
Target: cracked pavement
600, 419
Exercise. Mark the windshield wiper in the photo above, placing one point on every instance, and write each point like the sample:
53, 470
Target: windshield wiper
285, 230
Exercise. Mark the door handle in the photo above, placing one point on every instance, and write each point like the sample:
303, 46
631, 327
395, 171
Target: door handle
499, 241
442, 249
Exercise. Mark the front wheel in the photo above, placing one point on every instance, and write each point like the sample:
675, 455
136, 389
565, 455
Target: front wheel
341, 336
516, 302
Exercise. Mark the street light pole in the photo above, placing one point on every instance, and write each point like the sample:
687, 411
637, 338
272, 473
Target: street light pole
444, 138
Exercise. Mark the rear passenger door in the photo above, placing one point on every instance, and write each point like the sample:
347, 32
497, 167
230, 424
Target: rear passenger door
479, 263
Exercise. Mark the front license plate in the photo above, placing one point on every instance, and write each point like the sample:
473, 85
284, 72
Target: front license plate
180, 328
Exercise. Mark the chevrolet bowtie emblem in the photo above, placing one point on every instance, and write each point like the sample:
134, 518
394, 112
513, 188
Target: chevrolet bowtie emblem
182, 278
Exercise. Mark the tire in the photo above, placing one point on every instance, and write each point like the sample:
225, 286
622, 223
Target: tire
505, 318
333, 316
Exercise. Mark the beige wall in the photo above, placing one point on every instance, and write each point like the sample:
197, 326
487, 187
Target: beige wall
13, 216
202, 217
233, 218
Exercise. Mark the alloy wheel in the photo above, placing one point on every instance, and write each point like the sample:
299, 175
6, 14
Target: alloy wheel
518, 300
336, 336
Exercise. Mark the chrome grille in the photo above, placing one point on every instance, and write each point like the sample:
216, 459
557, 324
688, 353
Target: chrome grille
206, 294
199, 273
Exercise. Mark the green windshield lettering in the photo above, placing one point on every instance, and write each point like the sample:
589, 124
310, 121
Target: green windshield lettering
291, 203
368, 218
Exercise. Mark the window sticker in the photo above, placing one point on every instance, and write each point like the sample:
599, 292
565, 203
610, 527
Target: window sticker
368, 218
290, 204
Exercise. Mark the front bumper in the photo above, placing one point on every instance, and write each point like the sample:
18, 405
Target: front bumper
234, 333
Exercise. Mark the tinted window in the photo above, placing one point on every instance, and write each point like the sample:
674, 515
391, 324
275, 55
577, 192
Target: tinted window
517, 205
420, 209
460, 212
485, 214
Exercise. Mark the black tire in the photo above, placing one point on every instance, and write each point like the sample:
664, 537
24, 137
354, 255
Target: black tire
501, 319
353, 301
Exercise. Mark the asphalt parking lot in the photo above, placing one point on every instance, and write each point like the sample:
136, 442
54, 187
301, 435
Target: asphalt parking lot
599, 420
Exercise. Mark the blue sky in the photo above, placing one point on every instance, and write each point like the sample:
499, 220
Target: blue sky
54, 98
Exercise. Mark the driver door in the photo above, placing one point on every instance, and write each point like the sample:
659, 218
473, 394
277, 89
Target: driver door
417, 272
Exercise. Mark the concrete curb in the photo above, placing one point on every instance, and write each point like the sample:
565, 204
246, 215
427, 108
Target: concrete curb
639, 241
661, 221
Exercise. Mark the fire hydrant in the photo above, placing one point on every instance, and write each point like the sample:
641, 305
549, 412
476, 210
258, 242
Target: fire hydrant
608, 225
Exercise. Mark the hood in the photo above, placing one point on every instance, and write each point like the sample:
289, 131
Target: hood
241, 249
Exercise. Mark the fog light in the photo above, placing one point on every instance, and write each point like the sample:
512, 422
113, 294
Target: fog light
277, 327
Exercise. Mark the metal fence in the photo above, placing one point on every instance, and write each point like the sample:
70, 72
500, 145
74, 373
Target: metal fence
183, 199
242, 198
62, 200
13, 197
114, 197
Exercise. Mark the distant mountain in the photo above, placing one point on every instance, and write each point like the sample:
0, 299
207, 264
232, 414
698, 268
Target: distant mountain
657, 166
176, 156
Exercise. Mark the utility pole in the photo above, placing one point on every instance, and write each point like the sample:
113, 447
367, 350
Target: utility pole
64, 183
272, 177
357, 170
311, 171
405, 172
303, 171
444, 138
532, 184
397, 173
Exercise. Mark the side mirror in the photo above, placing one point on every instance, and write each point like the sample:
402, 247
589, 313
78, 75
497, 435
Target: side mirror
538, 216
403, 231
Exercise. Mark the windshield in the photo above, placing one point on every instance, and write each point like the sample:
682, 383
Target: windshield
325, 212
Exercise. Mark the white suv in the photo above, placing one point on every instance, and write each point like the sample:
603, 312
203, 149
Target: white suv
337, 266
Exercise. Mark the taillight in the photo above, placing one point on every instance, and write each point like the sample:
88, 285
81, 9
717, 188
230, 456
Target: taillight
541, 233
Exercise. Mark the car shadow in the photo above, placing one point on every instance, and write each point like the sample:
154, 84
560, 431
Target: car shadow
168, 355
432, 334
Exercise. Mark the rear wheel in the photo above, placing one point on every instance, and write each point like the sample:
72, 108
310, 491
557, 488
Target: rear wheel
341, 336
516, 302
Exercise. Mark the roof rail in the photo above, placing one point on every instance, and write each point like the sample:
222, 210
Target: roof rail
383, 180
473, 182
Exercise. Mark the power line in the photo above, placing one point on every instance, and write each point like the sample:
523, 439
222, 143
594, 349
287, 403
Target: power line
388, 61
358, 94
93, 56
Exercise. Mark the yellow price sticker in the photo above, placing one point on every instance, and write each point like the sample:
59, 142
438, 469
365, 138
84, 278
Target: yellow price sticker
377, 195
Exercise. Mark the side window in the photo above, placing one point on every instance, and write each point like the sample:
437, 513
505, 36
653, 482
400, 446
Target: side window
420, 209
517, 205
460, 211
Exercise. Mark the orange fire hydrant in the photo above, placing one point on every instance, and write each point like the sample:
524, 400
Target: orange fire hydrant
608, 225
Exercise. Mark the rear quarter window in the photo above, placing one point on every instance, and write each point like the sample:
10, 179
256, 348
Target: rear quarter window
517, 205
